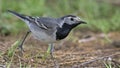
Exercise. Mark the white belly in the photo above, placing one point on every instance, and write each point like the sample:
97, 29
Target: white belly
41, 35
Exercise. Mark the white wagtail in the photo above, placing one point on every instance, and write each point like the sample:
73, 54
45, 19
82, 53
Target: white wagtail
49, 30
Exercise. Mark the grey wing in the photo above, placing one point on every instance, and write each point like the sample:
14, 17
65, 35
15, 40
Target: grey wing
42, 22
46, 23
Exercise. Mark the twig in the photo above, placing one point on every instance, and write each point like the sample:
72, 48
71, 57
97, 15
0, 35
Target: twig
93, 60
21, 58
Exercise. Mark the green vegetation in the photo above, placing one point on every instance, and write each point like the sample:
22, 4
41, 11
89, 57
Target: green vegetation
12, 49
109, 64
11, 53
101, 16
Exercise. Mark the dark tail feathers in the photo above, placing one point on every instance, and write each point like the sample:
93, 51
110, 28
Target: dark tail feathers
23, 17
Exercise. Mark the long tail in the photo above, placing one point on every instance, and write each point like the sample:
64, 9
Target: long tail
21, 16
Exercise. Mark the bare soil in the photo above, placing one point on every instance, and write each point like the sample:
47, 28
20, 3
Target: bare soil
80, 50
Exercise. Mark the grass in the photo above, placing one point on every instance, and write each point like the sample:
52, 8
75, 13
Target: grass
11, 53
12, 49
108, 65
102, 17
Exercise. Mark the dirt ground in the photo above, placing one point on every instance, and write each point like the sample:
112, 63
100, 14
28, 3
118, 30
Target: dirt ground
80, 50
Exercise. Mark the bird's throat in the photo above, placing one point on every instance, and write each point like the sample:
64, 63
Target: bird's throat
64, 31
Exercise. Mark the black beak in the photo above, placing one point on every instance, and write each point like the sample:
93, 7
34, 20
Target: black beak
82, 22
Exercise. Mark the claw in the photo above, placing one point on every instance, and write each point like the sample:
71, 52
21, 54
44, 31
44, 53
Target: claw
21, 44
21, 48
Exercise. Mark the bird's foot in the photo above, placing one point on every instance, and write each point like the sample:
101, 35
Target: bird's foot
21, 50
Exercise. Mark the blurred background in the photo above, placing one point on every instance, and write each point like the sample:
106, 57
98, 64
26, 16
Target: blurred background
102, 17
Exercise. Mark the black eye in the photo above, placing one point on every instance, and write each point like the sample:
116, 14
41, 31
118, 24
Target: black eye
71, 19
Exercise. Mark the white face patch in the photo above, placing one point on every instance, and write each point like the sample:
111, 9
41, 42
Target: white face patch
77, 18
61, 23
71, 20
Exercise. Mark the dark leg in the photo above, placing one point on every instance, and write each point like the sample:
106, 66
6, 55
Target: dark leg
50, 50
21, 44
51, 46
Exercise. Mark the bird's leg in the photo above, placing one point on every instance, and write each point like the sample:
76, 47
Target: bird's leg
50, 50
21, 44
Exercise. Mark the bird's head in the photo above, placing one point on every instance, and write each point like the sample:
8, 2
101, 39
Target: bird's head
73, 20
67, 23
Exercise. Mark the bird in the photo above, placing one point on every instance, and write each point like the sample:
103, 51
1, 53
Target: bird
48, 29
